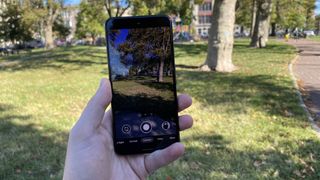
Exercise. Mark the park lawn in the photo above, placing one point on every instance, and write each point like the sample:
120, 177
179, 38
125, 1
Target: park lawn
314, 38
247, 124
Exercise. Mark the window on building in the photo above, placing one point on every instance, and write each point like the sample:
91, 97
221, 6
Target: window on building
205, 6
199, 31
204, 19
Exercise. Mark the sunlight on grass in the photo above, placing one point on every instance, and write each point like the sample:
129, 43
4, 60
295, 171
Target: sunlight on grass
248, 124
315, 38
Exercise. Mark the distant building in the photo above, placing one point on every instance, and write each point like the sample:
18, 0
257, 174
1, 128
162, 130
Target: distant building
69, 17
202, 21
203, 15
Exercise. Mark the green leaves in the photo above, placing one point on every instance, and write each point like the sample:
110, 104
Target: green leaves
286, 13
90, 19
13, 28
182, 8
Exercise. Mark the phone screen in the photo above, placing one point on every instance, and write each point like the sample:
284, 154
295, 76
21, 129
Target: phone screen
142, 74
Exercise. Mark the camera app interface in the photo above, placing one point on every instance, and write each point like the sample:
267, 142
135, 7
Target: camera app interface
144, 103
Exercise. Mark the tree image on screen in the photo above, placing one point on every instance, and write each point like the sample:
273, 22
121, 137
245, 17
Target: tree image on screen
142, 73
148, 48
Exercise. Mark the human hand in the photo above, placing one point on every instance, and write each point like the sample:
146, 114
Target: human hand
91, 155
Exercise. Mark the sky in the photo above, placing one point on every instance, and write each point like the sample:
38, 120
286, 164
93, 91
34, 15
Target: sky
72, 2
318, 7
69, 2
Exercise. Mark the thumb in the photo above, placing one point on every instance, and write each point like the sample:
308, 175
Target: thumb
93, 114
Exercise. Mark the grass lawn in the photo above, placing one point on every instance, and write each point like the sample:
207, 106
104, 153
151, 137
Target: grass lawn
315, 38
248, 124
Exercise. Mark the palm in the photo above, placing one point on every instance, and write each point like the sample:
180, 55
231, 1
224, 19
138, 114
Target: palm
91, 154
124, 167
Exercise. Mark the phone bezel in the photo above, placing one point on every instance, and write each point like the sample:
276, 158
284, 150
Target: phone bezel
142, 22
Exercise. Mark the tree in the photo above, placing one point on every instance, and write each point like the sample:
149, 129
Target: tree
243, 13
12, 27
152, 48
293, 14
262, 23
220, 47
46, 12
310, 14
180, 8
116, 8
90, 20
148, 7
60, 29
253, 16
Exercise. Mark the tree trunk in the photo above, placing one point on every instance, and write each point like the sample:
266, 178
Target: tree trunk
253, 16
261, 29
273, 29
93, 39
160, 73
220, 47
49, 35
48, 25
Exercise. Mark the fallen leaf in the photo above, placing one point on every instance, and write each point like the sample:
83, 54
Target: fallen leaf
276, 174
297, 172
257, 163
194, 166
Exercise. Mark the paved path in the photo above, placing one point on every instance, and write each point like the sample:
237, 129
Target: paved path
307, 71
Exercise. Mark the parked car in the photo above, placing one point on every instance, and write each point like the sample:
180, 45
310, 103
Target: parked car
78, 42
60, 42
34, 44
101, 41
309, 33
204, 35
182, 37
4, 51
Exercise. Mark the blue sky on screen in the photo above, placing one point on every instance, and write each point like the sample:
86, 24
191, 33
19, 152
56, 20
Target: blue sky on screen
73, 2
121, 37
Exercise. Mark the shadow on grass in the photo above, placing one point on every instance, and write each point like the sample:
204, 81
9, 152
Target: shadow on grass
260, 92
57, 58
183, 50
215, 160
27, 150
186, 66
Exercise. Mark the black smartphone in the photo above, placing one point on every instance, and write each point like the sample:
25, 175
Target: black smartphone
142, 73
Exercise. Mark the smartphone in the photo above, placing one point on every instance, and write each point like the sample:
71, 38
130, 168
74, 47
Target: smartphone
142, 73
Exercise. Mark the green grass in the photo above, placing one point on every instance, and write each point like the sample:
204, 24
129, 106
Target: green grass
315, 38
247, 124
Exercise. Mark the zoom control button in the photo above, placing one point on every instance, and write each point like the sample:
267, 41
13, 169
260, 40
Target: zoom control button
126, 129
145, 127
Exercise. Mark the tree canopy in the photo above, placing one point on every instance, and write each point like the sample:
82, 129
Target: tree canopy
13, 27
90, 19
180, 8
285, 13
146, 51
